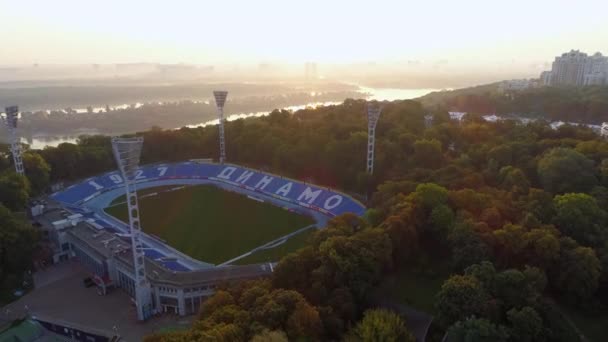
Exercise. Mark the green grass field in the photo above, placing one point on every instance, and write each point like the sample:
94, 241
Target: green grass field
416, 289
211, 224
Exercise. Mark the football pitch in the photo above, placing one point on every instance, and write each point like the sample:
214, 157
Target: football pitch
211, 224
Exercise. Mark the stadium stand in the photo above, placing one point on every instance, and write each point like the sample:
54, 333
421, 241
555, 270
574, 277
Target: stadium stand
326, 201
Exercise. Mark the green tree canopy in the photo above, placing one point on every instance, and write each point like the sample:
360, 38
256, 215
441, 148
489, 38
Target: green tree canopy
381, 325
460, 297
579, 217
478, 330
14, 191
566, 170
38, 171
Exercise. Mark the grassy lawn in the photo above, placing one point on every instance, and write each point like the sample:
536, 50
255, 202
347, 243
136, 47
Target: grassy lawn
594, 327
275, 254
211, 224
415, 287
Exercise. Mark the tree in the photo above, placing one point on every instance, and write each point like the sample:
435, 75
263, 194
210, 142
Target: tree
557, 168
219, 299
478, 330
542, 247
467, 247
38, 171
578, 216
304, 320
578, 271
430, 195
441, 221
381, 325
14, 191
427, 153
18, 242
514, 289
526, 324
270, 336
513, 179
460, 297
540, 204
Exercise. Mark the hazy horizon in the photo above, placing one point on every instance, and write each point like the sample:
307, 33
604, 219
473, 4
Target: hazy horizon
464, 33
437, 38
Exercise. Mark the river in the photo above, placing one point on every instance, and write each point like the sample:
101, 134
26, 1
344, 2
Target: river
379, 94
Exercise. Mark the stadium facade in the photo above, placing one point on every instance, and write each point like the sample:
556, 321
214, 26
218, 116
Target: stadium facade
80, 229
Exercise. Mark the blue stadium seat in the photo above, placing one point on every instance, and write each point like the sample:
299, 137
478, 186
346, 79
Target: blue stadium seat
175, 266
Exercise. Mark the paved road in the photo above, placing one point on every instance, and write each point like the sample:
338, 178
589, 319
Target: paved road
60, 295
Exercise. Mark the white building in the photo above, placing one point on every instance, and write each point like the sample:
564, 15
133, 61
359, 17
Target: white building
576, 68
516, 85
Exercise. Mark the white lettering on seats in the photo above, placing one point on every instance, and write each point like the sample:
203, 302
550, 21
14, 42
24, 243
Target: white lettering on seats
308, 195
95, 185
244, 177
227, 172
116, 179
139, 174
162, 170
332, 202
284, 190
263, 182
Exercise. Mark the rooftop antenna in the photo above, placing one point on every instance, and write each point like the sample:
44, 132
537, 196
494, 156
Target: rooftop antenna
220, 100
373, 114
12, 114
127, 152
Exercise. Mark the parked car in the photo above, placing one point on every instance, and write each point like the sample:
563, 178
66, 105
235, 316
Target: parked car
88, 282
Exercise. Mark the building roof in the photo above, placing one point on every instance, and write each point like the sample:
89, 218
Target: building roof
102, 241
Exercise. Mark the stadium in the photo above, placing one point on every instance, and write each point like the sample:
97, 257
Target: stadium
203, 224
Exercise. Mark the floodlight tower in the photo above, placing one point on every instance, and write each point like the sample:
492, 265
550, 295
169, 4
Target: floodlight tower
127, 152
373, 114
220, 100
10, 121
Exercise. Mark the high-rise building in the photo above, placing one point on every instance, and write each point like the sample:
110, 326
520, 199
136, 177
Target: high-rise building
576, 68
310, 71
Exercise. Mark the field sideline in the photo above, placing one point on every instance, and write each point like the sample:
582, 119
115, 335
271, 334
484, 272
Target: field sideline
211, 224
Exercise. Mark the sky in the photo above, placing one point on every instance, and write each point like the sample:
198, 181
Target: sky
465, 32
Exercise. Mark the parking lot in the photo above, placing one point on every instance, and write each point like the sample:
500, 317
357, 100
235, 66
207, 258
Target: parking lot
60, 295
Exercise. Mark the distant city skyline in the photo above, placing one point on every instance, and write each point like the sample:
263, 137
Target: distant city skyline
577, 68
468, 33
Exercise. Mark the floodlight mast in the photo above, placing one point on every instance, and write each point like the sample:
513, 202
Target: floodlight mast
127, 152
373, 114
220, 100
12, 114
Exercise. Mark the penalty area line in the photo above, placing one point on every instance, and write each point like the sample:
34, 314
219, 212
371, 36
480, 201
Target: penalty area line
269, 245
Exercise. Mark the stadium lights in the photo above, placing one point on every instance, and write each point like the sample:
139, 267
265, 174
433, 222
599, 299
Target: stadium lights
220, 100
127, 152
12, 115
373, 114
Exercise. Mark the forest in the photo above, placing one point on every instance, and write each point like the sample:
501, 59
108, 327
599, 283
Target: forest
574, 104
510, 219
